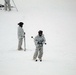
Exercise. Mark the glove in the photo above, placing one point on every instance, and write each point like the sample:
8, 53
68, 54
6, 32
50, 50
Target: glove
37, 42
24, 33
45, 43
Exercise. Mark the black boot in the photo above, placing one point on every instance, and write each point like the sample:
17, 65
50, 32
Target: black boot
36, 60
40, 60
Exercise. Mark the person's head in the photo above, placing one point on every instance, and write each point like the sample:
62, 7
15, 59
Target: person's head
40, 32
20, 24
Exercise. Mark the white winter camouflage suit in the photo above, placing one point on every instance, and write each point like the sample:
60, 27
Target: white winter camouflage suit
39, 47
7, 5
20, 37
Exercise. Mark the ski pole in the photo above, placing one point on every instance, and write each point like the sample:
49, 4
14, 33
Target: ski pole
14, 5
24, 44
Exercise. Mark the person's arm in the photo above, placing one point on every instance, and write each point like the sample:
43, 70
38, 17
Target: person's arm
22, 33
36, 40
44, 40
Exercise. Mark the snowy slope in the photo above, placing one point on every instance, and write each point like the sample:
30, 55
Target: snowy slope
57, 19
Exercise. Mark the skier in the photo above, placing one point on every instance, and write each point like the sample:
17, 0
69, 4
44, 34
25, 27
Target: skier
39, 41
7, 5
21, 35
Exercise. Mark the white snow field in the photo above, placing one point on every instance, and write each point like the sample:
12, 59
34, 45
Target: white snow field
57, 18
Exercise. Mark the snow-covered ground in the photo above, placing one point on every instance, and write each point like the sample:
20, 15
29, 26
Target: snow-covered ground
57, 18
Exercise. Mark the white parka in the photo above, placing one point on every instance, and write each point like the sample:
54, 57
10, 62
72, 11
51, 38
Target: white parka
38, 39
21, 32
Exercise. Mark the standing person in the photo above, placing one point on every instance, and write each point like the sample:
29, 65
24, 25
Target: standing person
21, 35
39, 41
7, 5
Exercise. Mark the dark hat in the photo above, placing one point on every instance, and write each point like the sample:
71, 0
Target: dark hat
20, 23
40, 31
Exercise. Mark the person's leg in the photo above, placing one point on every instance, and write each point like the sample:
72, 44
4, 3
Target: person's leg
35, 54
9, 6
5, 6
40, 53
20, 44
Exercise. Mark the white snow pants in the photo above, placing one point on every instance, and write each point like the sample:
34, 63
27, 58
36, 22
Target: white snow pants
38, 53
7, 5
20, 43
